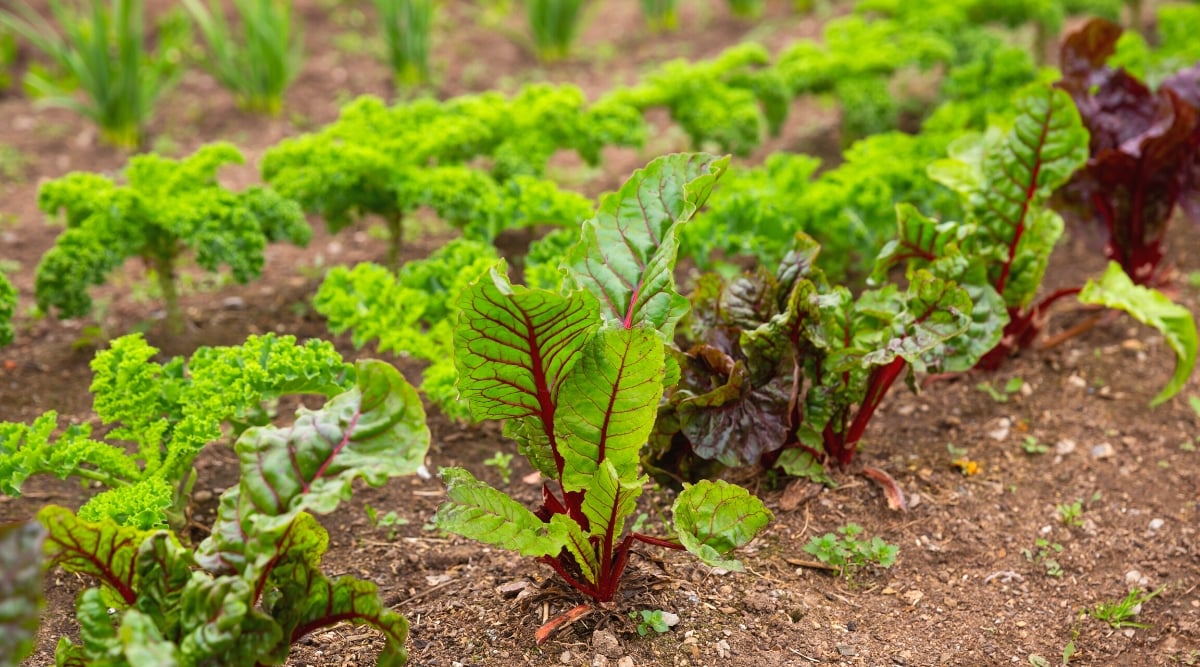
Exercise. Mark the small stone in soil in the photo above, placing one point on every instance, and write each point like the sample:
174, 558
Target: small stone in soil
847, 650
1156, 524
565, 658
625, 662
1103, 451
606, 644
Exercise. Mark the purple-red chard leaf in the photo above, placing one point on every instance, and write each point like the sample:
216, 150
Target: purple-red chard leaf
102, 550
626, 257
20, 587
374, 431
309, 600
1145, 150
1150, 307
714, 518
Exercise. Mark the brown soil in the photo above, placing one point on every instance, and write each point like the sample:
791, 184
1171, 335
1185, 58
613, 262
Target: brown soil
962, 592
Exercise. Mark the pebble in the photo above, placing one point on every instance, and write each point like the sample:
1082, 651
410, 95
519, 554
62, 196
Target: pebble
1156, 525
202, 496
565, 658
233, 303
1103, 451
1135, 578
606, 644
625, 662
599, 661
723, 649
846, 649
1064, 447
670, 619
1001, 431
1076, 381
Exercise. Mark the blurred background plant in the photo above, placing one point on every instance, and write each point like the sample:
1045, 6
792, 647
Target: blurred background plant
406, 36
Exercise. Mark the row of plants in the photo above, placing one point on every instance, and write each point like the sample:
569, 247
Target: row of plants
581, 384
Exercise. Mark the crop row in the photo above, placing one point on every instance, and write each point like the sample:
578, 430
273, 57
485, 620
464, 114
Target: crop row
600, 366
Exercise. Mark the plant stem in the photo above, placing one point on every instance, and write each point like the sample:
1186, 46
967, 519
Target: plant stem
164, 269
395, 229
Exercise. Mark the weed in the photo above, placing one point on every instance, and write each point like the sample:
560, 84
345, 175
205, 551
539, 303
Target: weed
1032, 446
391, 520
1121, 614
651, 619
503, 464
1042, 556
848, 553
1071, 514
1001, 395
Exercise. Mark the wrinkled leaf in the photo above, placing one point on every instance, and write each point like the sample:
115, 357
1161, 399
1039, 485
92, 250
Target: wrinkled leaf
714, 518
477, 511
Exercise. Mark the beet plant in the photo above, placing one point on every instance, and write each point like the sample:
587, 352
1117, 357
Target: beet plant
577, 376
164, 209
1144, 153
160, 417
255, 587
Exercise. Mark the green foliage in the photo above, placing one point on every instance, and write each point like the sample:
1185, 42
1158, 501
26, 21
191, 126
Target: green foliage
1151, 307
577, 374
1071, 514
8, 58
258, 64
731, 101
255, 586
1043, 554
502, 464
1120, 614
20, 588
161, 416
847, 552
650, 619
1001, 395
8, 307
104, 49
406, 27
412, 313
376, 160
747, 9
166, 208
554, 25
661, 15
1175, 49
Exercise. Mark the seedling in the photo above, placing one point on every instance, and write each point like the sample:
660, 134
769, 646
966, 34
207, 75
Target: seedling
1042, 556
962, 462
503, 465
1120, 614
1031, 445
650, 619
1001, 396
850, 554
1071, 514
391, 520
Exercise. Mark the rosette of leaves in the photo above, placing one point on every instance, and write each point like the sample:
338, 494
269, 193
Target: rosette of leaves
255, 587
165, 209
732, 101
776, 362
20, 588
161, 416
411, 313
389, 161
1144, 153
8, 307
577, 376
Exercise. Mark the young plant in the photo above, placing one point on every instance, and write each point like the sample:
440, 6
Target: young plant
1042, 554
20, 588
1120, 614
1001, 396
1031, 445
255, 587
650, 619
1144, 151
661, 15
259, 63
104, 48
8, 307
577, 375
165, 208
1071, 514
391, 520
161, 417
406, 28
502, 464
554, 25
848, 553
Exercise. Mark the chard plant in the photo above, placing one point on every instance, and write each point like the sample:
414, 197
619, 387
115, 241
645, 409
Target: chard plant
20, 587
160, 417
164, 209
258, 64
554, 26
104, 48
577, 376
255, 587
406, 35
1144, 152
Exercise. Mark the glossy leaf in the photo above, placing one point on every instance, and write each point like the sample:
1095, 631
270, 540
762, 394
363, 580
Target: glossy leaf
102, 550
714, 518
627, 253
482, 513
1176, 324
20, 587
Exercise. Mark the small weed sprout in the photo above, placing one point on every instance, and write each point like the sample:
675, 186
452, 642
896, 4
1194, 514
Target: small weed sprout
848, 553
1001, 395
1042, 556
391, 520
1120, 614
1071, 514
1032, 446
503, 464
650, 619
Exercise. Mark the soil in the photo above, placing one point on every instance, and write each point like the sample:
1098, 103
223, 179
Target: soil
969, 587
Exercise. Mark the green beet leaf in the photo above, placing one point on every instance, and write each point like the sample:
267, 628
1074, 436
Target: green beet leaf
102, 550
482, 513
1150, 307
714, 518
627, 254
20, 587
